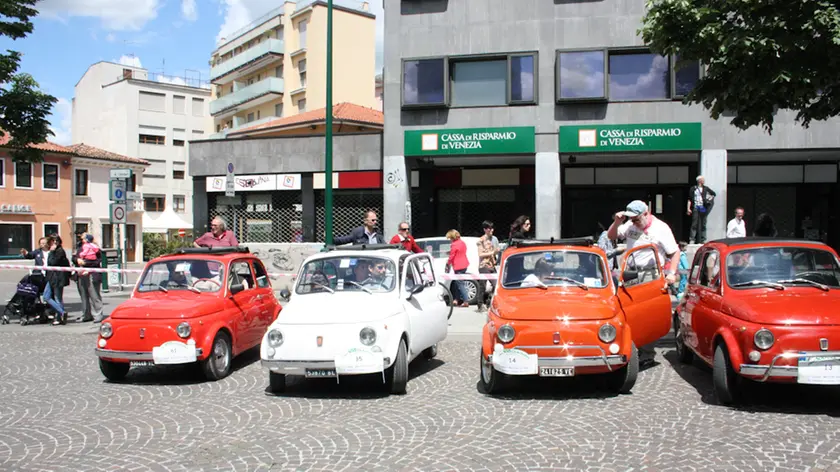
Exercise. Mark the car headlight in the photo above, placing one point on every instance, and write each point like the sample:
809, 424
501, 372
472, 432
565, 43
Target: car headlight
606, 333
764, 339
367, 336
506, 333
184, 329
275, 338
105, 330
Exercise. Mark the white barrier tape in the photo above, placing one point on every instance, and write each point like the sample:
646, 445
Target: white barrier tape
69, 269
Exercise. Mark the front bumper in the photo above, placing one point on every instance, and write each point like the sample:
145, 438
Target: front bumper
300, 367
571, 360
131, 355
773, 371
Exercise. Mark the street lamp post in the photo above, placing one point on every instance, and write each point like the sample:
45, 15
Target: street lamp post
328, 164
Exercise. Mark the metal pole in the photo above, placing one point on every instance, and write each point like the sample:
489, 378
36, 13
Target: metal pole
328, 164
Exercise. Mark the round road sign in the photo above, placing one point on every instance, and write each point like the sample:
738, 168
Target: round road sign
230, 167
119, 213
182, 232
118, 193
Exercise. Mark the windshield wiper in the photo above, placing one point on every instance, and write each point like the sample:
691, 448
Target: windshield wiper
822, 287
568, 279
358, 285
319, 285
162, 289
774, 285
539, 284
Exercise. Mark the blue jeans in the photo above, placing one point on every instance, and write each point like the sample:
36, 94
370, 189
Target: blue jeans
462, 290
54, 299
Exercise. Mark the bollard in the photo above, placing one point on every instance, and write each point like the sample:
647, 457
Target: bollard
105, 275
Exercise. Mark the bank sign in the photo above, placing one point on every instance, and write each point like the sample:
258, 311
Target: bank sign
470, 141
631, 138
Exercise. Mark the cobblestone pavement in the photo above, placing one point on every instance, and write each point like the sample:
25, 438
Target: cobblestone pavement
58, 413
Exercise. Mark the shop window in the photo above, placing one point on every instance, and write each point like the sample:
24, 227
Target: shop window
154, 203
638, 76
13, 237
179, 203
49, 176
580, 75
424, 82
23, 175
258, 203
684, 77
81, 228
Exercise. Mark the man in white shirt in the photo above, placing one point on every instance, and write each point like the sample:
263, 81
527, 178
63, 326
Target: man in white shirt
641, 228
737, 228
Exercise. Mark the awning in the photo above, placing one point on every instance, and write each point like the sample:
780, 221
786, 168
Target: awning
163, 222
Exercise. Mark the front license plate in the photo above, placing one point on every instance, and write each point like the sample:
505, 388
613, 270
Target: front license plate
141, 363
319, 373
819, 371
557, 371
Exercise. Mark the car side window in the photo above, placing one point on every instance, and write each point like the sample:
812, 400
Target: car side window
410, 277
695, 268
261, 275
240, 273
644, 262
426, 270
709, 270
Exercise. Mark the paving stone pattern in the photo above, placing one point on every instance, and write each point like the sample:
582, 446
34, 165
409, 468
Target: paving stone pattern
58, 413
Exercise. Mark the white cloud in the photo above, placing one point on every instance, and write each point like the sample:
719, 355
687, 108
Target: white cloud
170, 80
652, 84
61, 121
110, 38
188, 10
115, 15
129, 61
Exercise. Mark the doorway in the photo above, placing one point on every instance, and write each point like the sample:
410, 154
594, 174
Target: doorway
130, 242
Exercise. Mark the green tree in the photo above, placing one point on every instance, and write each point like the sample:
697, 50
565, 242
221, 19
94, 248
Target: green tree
23, 108
760, 55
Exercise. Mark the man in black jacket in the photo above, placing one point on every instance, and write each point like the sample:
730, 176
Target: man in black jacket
701, 199
38, 275
365, 234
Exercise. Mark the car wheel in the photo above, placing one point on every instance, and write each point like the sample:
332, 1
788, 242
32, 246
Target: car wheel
217, 364
114, 371
726, 382
624, 378
447, 298
684, 354
396, 377
472, 291
492, 381
276, 382
430, 352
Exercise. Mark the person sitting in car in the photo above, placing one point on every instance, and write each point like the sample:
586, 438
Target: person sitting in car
377, 274
542, 269
203, 279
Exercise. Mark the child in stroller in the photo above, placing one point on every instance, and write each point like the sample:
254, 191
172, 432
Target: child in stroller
26, 303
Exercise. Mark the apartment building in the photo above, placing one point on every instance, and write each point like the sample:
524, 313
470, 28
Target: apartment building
276, 66
132, 112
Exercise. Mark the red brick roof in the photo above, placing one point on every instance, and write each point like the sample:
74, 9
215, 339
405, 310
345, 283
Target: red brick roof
47, 146
90, 152
341, 112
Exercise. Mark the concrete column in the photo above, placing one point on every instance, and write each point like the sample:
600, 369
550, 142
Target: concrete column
547, 183
200, 206
713, 168
396, 188
308, 204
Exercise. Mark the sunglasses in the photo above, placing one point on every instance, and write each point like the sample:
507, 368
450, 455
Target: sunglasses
404, 229
379, 267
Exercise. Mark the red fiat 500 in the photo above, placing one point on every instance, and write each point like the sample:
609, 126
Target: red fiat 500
764, 310
197, 305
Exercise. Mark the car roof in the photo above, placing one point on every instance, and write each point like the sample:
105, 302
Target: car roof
222, 254
350, 251
734, 242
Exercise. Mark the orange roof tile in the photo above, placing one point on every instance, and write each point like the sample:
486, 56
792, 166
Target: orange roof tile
47, 146
90, 152
341, 112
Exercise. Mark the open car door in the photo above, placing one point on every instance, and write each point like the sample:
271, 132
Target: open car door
643, 294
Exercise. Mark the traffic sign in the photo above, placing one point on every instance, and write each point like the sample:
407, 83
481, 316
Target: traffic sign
120, 173
117, 190
132, 195
182, 232
118, 213
230, 189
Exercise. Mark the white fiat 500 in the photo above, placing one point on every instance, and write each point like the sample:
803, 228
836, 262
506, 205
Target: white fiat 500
357, 310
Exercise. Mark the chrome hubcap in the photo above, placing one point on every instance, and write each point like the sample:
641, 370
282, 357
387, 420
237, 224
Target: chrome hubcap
486, 370
471, 290
220, 355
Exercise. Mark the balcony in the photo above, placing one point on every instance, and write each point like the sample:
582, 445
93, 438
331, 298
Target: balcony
247, 61
258, 93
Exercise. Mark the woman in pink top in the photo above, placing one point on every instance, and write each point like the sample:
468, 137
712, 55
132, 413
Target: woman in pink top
459, 263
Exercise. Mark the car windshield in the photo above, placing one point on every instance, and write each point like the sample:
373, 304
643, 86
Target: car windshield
194, 275
785, 266
554, 268
348, 274
437, 248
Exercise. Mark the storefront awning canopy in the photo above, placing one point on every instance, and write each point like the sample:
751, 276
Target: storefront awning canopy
164, 222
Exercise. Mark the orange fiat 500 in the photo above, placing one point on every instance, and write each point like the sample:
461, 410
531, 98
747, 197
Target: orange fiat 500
197, 305
560, 311
764, 310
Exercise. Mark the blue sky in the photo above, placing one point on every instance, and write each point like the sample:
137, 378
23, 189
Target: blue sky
174, 37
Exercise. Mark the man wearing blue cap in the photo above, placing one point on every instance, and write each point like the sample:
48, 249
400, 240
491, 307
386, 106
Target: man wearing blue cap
637, 226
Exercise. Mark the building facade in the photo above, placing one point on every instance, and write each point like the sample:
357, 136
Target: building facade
275, 67
532, 108
131, 112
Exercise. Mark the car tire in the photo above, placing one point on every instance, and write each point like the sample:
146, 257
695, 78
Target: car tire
727, 382
492, 381
472, 291
396, 377
217, 364
114, 371
447, 298
431, 352
684, 354
624, 378
276, 382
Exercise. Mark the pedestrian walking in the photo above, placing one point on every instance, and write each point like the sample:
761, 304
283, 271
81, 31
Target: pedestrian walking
737, 228
89, 284
57, 280
520, 228
218, 236
39, 255
701, 199
458, 263
405, 238
365, 234
488, 252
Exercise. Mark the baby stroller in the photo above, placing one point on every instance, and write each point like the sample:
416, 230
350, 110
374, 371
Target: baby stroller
26, 304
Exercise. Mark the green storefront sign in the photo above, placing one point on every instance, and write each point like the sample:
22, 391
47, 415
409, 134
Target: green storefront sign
631, 138
453, 142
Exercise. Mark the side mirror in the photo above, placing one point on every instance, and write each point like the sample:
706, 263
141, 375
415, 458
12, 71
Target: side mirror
629, 275
285, 294
415, 290
236, 288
